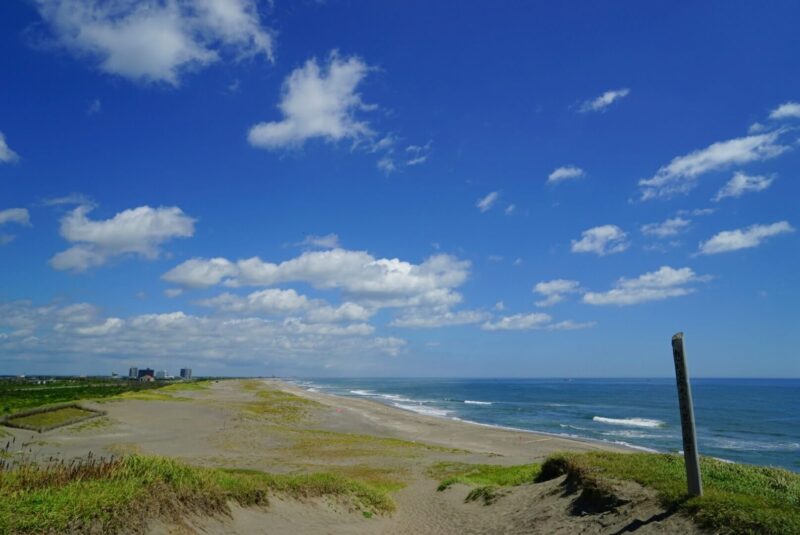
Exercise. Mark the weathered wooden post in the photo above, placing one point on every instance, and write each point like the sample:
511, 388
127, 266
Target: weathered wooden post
690, 454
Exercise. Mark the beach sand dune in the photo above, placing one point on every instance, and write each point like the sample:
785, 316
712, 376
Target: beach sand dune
250, 425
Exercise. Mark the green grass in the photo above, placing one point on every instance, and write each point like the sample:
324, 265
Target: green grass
333, 445
49, 419
20, 394
121, 495
276, 405
188, 386
738, 498
495, 475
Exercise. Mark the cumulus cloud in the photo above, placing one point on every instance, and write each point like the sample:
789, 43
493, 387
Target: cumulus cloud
564, 173
680, 175
554, 291
383, 282
604, 101
279, 302
32, 332
664, 283
602, 240
484, 204
317, 103
138, 231
741, 184
752, 236
787, 110
667, 228
6, 154
156, 41
20, 216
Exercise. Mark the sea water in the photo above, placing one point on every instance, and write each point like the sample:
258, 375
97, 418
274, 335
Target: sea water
753, 421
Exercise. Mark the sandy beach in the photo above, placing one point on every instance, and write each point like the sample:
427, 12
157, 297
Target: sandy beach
228, 426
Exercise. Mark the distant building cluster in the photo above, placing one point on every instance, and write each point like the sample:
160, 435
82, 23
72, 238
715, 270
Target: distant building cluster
148, 374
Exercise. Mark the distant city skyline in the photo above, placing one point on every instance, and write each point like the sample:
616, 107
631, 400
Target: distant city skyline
447, 189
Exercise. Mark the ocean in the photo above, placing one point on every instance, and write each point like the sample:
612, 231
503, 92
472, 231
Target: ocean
754, 421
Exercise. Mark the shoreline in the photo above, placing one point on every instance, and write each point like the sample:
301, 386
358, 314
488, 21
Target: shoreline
565, 436
457, 427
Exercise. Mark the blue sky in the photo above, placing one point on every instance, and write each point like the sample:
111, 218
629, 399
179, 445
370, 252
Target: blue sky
403, 189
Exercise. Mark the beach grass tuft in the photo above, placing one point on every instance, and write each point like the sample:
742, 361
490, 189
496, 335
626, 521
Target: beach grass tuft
484, 475
738, 498
124, 494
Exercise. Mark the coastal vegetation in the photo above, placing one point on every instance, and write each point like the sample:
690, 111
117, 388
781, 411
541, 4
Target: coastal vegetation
487, 479
46, 418
738, 498
18, 394
123, 494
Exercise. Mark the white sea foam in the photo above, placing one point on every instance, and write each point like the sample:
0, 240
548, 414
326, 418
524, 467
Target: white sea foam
472, 402
753, 445
630, 433
419, 409
362, 392
395, 397
633, 422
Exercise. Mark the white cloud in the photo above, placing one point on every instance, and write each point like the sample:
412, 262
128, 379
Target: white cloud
139, 231
664, 283
511, 209
201, 272
94, 107
82, 331
386, 164
369, 281
697, 212
6, 154
518, 322
328, 241
667, 228
484, 204
733, 240
786, 110
72, 198
554, 291
418, 154
680, 175
566, 172
602, 240
437, 317
603, 101
278, 302
155, 41
317, 103
756, 128
19, 216
173, 292
741, 184
569, 325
